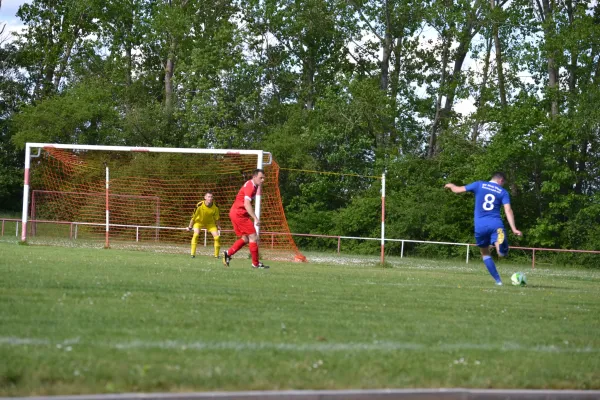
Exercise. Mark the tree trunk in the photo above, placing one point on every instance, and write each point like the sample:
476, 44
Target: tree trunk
573, 52
431, 150
499, 67
308, 72
395, 86
169, 71
128, 44
449, 84
170, 63
461, 54
553, 85
129, 62
395, 78
387, 44
481, 101
69, 43
65, 61
47, 87
549, 31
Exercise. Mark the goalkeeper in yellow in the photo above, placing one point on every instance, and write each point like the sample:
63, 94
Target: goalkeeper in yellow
206, 216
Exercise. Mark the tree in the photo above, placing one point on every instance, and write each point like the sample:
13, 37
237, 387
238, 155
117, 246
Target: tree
83, 114
55, 30
393, 24
13, 93
458, 22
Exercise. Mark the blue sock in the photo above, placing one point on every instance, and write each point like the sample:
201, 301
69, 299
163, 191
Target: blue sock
491, 267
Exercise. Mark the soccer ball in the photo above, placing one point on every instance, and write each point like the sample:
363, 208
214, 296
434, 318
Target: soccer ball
518, 279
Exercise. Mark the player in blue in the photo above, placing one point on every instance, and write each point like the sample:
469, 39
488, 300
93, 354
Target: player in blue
489, 228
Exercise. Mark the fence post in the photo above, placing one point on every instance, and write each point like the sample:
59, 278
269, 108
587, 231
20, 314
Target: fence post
402, 250
533, 260
468, 253
339, 243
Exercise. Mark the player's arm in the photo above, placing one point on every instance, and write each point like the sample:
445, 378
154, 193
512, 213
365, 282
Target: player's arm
510, 216
191, 224
250, 210
217, 218
454, 188
248, 195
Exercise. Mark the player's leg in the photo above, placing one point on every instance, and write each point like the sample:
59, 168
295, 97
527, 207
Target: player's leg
242, 226
195, 239
488, 261
238, 244
253, 246
237, 228
215, 234
235, 247
500, 241
482, 239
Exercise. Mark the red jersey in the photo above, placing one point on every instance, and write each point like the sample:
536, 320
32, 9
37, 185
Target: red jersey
248, 191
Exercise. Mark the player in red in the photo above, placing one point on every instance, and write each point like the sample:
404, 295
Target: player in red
242, 216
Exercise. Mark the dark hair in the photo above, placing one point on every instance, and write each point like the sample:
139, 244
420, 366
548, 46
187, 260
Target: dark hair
499, 175
258, 171
209, 192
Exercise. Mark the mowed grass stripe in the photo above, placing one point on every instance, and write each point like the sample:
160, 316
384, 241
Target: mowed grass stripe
92, 320
316, 347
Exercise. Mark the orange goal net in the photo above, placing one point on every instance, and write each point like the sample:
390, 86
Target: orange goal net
144, 197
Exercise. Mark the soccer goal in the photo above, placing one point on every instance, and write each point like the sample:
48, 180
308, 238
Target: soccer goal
117, 196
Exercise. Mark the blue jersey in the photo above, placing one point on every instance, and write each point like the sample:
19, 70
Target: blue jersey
489, 197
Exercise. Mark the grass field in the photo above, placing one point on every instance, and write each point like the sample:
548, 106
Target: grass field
78, 320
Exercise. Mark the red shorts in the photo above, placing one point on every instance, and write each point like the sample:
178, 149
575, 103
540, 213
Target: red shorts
242, 224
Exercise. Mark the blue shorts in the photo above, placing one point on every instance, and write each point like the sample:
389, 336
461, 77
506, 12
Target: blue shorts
488, 236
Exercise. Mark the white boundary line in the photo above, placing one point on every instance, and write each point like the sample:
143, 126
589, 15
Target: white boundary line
387, 394
292, 347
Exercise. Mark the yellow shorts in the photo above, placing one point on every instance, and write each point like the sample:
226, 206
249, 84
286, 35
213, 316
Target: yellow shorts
209, 228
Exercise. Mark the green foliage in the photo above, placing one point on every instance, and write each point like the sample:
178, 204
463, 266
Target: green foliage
11, 183
85, 114
13, 94
341, 88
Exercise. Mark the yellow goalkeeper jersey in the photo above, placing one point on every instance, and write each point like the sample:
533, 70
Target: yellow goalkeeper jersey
205, 215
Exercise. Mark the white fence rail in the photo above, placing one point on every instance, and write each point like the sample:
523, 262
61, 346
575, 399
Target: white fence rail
74, 230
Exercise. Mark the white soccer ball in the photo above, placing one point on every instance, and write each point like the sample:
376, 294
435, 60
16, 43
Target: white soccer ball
518, 279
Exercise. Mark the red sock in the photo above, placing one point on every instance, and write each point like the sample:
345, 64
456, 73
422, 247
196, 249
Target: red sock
236, 247
254, 252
